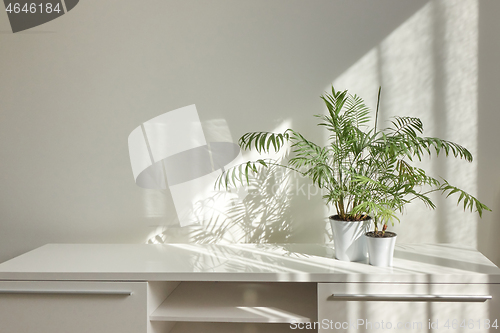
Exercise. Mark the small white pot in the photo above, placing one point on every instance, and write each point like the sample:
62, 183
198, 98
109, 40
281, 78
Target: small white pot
381, 250
349, 240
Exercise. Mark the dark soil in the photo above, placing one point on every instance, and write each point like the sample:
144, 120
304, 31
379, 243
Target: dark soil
336, 218
381, 234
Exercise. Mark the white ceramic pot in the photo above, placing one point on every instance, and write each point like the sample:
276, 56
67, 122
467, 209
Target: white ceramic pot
381, 250
349, 239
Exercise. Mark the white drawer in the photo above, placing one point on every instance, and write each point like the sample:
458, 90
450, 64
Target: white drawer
76, 307
370, 307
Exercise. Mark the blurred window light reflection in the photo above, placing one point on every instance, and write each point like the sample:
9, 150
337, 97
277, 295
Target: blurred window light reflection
171, 152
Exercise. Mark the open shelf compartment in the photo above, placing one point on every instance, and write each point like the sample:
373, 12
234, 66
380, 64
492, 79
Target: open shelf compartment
239, 302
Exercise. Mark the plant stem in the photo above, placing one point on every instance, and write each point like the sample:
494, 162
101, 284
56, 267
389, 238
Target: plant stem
378, 104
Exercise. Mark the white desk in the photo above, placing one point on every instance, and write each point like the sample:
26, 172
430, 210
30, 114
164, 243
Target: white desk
244, 288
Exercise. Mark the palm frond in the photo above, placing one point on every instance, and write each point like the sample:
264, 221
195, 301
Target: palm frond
262, 141
407, 126
469, 201
363, 171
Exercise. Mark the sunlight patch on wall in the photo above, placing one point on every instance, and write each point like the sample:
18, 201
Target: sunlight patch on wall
362, 79
461, 104
428, 68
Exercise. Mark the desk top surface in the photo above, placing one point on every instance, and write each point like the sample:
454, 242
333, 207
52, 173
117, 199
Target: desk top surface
415, 263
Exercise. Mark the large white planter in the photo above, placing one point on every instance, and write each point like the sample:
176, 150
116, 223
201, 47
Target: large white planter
381, 250
349, 239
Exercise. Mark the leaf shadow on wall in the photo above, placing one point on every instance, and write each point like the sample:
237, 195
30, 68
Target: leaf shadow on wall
260, 213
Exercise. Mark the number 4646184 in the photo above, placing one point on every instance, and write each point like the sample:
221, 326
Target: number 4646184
33, 8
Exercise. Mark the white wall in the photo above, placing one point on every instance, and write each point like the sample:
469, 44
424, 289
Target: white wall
73, 89
488, 134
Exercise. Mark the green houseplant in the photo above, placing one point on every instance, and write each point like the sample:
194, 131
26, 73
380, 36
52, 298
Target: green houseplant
364, 172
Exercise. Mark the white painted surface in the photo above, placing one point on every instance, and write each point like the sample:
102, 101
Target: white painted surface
250, 284
245, 262
475, 314
35, 311
488, 157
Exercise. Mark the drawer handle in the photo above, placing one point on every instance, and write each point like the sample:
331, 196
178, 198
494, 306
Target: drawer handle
411, 298
68, 292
